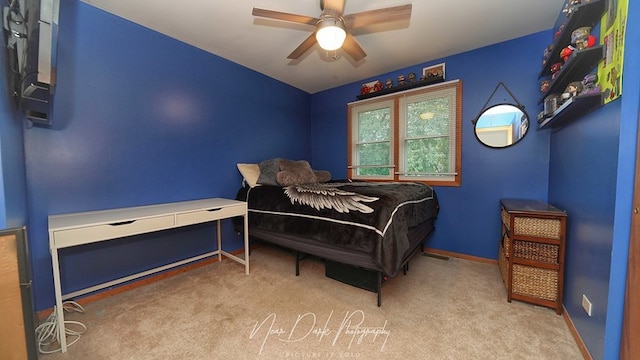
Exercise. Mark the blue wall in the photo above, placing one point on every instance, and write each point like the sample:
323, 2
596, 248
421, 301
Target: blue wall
487, 174
583, 182
591, 175
138, 119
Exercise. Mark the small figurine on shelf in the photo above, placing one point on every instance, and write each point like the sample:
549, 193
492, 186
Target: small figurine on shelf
555, 69
377, 86
544, 85
590, 85
582, 38
551, 103
557, 34
388, 84
566, 52
401, 80
591, 41
365, 89
411, 77
580, 33
571, 6
587, 42
546, 54
573, 89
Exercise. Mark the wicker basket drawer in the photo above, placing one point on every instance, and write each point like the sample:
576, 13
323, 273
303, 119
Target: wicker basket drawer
545, 228
535, 282
533, 226
538, 251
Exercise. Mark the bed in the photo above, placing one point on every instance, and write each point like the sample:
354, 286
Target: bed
369, 226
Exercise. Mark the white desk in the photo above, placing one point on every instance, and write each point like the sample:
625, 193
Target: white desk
67, 230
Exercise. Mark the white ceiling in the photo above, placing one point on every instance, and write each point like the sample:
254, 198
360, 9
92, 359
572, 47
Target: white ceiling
438, 28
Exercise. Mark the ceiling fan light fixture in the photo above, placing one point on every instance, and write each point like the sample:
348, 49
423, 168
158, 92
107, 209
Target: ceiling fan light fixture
330, 33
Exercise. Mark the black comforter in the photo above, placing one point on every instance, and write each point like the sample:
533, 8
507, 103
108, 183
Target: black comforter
372, 218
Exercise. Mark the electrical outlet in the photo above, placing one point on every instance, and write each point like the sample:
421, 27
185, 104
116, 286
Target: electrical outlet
586, 304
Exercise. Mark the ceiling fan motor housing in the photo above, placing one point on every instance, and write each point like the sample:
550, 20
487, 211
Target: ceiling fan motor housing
330, 33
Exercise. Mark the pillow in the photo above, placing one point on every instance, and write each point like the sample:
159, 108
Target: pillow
268, 171
250, 173
322, 175
295, 173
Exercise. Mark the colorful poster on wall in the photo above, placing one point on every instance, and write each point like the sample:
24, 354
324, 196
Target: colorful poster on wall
612, 32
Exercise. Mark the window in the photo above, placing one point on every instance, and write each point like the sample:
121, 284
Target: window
413, 135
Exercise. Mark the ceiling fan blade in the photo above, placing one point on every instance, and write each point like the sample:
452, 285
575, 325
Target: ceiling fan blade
302, 48
362, 19
352, 48
332, 7
302, 19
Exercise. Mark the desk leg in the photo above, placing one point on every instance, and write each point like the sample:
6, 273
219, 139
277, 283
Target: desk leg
58, 293
219, 242
246, 244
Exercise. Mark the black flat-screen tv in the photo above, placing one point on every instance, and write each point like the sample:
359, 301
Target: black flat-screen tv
29, 44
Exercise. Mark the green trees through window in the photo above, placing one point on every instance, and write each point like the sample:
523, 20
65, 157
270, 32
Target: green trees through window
374, 142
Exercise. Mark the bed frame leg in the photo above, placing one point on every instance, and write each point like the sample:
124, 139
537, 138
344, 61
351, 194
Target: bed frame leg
379, 289
297, 263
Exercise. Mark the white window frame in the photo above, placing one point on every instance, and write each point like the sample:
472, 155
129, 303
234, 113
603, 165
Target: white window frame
355, 111
404, 102
398, 102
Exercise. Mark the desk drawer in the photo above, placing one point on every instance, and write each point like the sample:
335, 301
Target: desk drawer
92, 233
200, 216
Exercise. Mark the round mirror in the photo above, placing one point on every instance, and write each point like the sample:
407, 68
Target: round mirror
501, 125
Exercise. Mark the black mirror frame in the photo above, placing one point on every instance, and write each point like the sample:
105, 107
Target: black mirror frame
525, 117
484, 108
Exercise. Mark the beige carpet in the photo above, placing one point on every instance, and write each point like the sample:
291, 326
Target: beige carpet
453, 309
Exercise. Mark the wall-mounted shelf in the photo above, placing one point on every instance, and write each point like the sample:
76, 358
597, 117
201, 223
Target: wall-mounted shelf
584, 15
406, 86
579, 64
572, 109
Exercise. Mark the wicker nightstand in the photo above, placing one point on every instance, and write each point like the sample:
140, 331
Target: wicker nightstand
531, 252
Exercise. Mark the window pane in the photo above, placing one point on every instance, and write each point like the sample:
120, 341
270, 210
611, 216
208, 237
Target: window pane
373, 172
373, 154
428, 117
427, 156
374, 125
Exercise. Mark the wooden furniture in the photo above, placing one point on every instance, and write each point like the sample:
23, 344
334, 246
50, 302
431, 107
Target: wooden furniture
531, 252
18, 315
76, 229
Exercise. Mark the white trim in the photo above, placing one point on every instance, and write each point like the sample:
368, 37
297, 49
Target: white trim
355, 111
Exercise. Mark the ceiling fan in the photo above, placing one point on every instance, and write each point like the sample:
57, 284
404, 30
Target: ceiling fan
333, 29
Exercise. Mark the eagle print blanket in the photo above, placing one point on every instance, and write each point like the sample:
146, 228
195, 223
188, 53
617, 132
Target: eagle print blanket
371, 218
